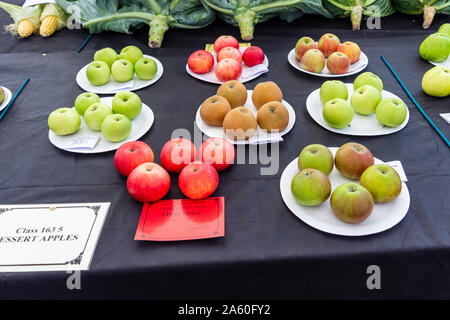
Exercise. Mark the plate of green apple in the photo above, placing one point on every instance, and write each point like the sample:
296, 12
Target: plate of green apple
101, 128
5, 97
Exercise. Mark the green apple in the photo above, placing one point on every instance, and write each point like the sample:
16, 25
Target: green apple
435, 47
116, 127
64, 121
127, 103
338, 113
84, 101
316, 156
145, 68
436, 82
131, 53
382, 181
122, 70
98, 73
107, 55
310, 187
368, 78
391, 112
96, 114
2, 95
445, 28
351, 203
333, 89
365, 99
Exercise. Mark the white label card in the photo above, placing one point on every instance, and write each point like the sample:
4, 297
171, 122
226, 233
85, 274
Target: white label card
256, 70
397, 166
82, 142
29, 3
446, 117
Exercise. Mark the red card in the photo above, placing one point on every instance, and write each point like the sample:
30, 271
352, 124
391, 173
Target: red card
182, 219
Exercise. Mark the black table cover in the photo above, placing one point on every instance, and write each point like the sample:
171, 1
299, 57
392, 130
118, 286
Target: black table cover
267, 251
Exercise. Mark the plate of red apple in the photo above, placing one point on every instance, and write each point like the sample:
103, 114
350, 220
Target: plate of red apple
328, 57
228, 62
344, 191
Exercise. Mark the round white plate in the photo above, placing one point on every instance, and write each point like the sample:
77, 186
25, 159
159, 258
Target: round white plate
445, 63
384, 216
360, 125
260, 137
140, 125
113, 86
7, 99
356, 67
211, 76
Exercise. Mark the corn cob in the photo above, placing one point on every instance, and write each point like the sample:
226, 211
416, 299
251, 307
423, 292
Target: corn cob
26, 19
48, 25
25, 28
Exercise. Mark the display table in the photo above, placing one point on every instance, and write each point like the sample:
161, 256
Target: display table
267, 252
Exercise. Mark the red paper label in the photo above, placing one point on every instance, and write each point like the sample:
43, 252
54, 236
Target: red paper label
182, 219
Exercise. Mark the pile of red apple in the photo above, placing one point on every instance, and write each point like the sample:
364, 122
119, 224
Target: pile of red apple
339, 56
198, 169
229, 59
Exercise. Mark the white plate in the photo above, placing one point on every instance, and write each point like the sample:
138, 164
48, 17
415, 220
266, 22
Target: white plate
211, 76
113, 86
360, 125
384, 216
445, 63
213, 132
7, 99
140, 125
356, 67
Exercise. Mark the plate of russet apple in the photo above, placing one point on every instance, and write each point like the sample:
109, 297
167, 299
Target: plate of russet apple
374, 200
7, 95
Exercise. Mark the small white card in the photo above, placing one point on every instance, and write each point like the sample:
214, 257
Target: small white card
446, 117
264, 137
29, 3
256, 70
89, 142
114, 85
397, 166
49, 237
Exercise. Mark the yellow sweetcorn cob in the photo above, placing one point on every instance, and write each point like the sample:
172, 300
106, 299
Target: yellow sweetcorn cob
48, 25
25, 28
52, 18
26, 19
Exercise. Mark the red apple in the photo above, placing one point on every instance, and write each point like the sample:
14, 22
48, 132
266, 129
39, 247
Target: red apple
328, 44
352, 159
351, 203
218, 152
253, 56
229, 52
351, 50
228, 69
177, 153
148, 182
225, 41
198, 180
201, 61
130, 155
313, 60
303, 45
338, 63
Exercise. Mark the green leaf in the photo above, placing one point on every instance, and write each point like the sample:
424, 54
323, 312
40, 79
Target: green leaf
416, 6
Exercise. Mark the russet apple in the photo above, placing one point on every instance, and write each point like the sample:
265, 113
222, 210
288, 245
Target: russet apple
148, 182
234, 91
198, 180
370, 79
177, 153
303, 45
64, 121
351, 203
316, 156
132, 154
98, 73
145, 68
351, 159
131, 53
225, 41
84, 101
122, 70
201, 61
338, 63
365, 100
218, 152
382, 181
391, 112
338, 113
229, 52
228, 69
96, 114
332, 89
351, 50
328, 43
253, 56
107, 55
313, 61
436, 82
127, 103
310, 187
116, 127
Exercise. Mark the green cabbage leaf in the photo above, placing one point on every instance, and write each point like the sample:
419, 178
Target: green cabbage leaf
428, 8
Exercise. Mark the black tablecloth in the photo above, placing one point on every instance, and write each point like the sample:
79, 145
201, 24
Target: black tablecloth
267, 251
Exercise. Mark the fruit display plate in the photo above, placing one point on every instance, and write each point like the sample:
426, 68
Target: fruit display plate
140, 125
6, 99
383, 217
445, 63
360, 125
356, 67
260, 137
113, 86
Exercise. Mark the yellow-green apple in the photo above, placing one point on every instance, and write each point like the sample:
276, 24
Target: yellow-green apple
98, 73
198, 180
316, 156
313, 60
338, 63
228, 69
332, 89
351, 159
84, 101
107, 55
365, 99
303, 45
229, 52
351, 50
145, 68
338, 113
435, 47
116, 127
328, 43
253, 55
131, 53
382, 181
64, 121
391, 112
2, 95
122, 70
218, 152
436, 82
177, 153
310, 187
225, 41
201, 61
127, 103
148, 182
95, 114
445, 28
132, 154
351, 203
370, 79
